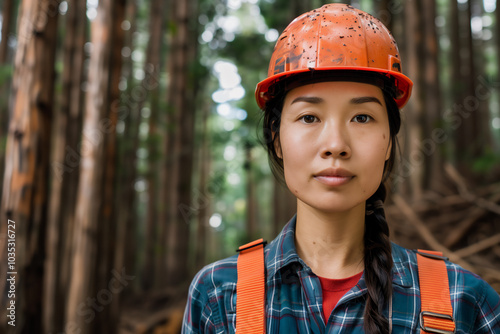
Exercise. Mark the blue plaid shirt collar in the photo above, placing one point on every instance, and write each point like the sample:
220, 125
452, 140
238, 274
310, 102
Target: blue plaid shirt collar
281, 253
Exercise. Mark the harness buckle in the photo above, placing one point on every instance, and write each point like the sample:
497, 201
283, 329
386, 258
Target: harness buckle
435, 315
433, 256
263, 242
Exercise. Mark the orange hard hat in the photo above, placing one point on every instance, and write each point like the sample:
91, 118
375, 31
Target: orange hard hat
332, 38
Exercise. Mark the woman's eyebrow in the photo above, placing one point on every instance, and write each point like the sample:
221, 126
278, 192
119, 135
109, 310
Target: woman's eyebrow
365, 99
308, 99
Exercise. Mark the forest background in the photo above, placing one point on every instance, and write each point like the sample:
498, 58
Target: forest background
130, 149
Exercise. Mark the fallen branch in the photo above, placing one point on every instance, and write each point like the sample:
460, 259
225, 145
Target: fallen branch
479, 246
466, 224
426, 234
465, 193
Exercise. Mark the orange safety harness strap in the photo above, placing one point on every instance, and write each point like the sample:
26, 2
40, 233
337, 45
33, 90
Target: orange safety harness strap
250, 289
436, 314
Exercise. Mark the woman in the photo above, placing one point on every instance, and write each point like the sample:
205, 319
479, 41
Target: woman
331, 114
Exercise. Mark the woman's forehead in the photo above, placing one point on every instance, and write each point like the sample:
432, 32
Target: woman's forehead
338, 88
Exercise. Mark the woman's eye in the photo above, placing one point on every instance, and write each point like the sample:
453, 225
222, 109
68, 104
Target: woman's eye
362, 118
308, 119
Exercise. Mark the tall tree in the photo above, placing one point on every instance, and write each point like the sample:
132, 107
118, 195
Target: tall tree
169, 150
497, 35
457, 84
153, 63
183, 93
7, 15
95, 125
284, 206
409, 175
251, 222
108, 318
469, 139
431, 100
25, 190
127, 222
65, 162
203, 201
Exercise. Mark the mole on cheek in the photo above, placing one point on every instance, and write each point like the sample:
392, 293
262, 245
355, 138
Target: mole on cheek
383, 135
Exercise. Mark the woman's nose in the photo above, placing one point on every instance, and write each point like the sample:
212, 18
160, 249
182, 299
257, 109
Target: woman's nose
335, 143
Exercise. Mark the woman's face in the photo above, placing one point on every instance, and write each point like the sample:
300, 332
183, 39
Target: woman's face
334, 140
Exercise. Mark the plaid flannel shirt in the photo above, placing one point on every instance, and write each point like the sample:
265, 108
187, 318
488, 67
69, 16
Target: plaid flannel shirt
294, 296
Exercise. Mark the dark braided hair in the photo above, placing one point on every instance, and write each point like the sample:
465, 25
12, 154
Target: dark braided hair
378, 258
377, 253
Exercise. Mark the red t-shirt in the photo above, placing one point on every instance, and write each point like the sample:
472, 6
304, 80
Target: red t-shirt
334, 289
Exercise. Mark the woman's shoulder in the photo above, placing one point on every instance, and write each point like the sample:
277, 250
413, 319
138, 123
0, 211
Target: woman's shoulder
218, 272
459, 277
215, 275
468, 291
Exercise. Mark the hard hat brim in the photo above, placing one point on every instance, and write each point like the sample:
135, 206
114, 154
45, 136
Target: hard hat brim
402, 82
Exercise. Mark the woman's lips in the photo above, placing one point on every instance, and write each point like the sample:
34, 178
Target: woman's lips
334, 176
333, 180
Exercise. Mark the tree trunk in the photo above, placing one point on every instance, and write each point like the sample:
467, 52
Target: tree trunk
65, 162
108, 317
251, 226
284, 206
467, 143
497, 34
89, 198
457, 79
482, 94
204, 200
153, 63
7, 15
129, 103
409, 175
167, 179
182, 153
384, 13
431, 146
25, 190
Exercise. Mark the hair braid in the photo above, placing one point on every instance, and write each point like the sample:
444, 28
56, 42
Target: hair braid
378, 264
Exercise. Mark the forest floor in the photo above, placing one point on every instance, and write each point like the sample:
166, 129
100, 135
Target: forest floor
464, 224
158, 312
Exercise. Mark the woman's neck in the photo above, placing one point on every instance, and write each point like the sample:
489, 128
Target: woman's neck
331, 244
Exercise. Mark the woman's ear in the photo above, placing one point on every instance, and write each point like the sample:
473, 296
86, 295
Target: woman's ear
277, 144
389, 150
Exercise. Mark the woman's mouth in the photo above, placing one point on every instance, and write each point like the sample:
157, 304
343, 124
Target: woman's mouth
334, 176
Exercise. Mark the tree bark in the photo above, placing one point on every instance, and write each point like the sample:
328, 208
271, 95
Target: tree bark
127, 220
457, 79
65, 162
466, 141
153, 63
431, 148
409, 175
25, 189
167, 178
251, 226
182, 153
7, 15
204, 199
95, 125
284, 206
108, 317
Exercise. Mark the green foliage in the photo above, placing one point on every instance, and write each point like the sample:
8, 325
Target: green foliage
6, 72
487, 162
